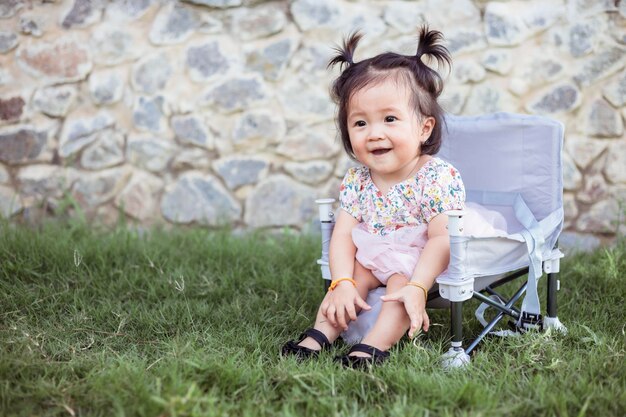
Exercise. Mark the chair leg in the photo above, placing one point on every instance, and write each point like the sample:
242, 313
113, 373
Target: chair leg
456, 356
552, 321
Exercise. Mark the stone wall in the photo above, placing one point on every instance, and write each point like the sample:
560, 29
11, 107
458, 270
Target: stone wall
217, 111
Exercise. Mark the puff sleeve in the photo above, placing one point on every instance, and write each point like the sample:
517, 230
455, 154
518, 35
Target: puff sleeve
443, 191
349, 193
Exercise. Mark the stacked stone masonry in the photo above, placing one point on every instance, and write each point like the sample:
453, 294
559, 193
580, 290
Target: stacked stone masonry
216, 112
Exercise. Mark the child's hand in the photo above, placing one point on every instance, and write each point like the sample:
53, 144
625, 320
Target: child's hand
415, 306
343, 299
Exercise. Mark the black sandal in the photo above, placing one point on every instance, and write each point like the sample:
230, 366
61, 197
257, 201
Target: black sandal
358, 362
301, 352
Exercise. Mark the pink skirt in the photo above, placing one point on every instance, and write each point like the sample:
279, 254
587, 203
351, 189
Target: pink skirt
394, 253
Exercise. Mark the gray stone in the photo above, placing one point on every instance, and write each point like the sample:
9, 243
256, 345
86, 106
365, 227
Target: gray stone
303, 143
5, 77
5, 177
190, 159
311, 57
272, 60
94, 189
8, 41
43, 182
149, 152
280, 201
603, 120
615, 168
31, 24
140, 197
591, 7
468, 71
615, 92
148, 114
235, 94
571, 242
602, 217
256, 129
113, 45
83, 13
559, 99
543, 70
210, 24
173, 24
23, 143
404, 16
311, 14
487, 99
367, 19
572, 178
106, 86
237, 171
55, 101
310, 172
580, 39
106, 151
302, 101
601, 65
10, 203
11, 108
594, 189
570, 207
191, 130
78, 132
510, 23
454, 97
150, 75
64, 60
127, 10
9, 7
219, 4
258, 22
498, 61
504, 28
586, 150
199, 198
464, 40
207, 62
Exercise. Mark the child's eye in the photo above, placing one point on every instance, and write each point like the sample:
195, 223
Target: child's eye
359, 123
390, 119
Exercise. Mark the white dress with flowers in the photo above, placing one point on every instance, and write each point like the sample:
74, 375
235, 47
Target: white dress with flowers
392, 229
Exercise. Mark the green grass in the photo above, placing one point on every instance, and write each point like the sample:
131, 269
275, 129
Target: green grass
189, 322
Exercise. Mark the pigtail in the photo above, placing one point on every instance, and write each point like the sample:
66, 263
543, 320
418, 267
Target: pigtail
429, 44
345, 53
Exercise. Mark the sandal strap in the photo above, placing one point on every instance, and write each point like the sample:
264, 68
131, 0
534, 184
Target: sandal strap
370, 350
316, 335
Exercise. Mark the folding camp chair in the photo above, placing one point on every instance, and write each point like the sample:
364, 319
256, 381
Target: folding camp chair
510, 164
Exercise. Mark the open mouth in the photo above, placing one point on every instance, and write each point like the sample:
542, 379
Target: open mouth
380, 151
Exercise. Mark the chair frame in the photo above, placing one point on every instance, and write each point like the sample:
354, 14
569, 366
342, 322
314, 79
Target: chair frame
457, 291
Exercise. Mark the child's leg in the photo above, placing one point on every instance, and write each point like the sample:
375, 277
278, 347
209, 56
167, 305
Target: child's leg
392, 323
365, 281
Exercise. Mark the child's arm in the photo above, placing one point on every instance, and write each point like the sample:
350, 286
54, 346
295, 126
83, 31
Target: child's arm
342, 252
432, 262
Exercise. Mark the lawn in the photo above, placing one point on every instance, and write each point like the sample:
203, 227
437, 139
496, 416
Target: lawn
189, 323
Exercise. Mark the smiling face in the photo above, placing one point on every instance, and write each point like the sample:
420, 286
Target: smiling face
385, 132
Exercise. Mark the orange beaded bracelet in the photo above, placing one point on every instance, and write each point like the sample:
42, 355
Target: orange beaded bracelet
337, 281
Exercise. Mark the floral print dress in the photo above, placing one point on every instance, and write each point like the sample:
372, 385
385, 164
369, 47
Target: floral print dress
392, 228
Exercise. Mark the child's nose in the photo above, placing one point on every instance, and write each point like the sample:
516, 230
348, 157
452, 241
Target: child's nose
376, 131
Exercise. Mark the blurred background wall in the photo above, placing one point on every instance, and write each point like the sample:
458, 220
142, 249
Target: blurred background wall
217, 111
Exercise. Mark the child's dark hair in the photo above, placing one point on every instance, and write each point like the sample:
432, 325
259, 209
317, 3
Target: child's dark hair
425, 83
